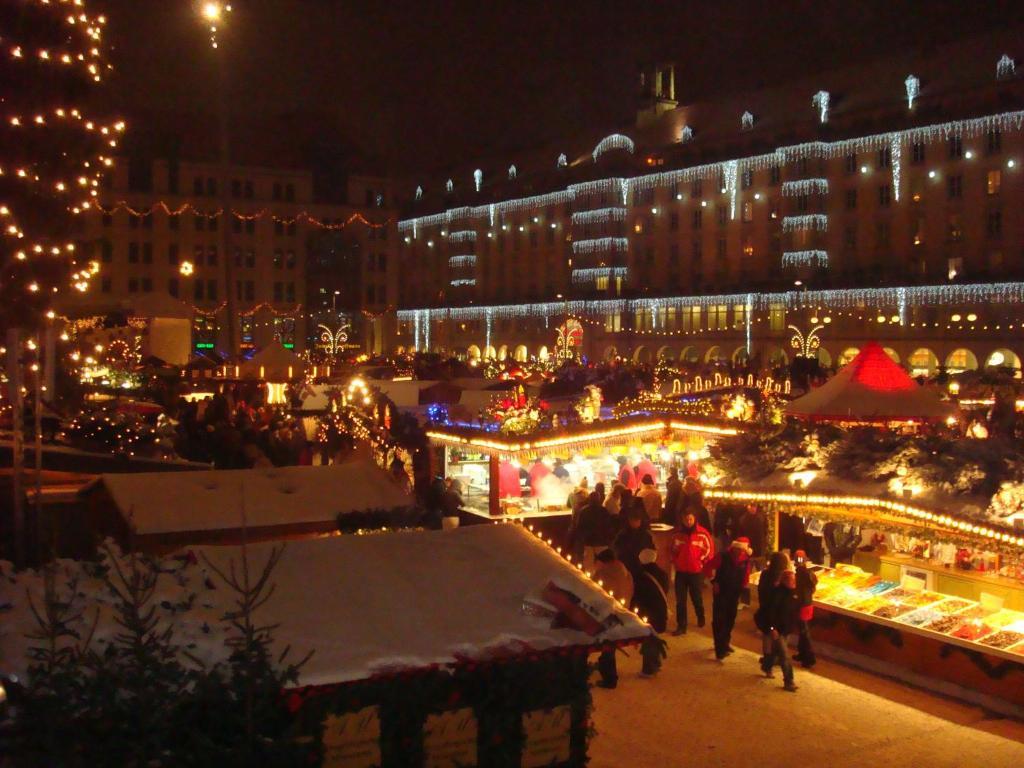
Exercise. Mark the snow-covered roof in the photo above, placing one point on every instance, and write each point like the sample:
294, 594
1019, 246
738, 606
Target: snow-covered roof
168, 502
365, 604
871, 387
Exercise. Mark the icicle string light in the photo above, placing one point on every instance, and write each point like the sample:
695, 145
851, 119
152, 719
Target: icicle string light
462, 236
467, 260
601, 245
590, 275
599, 216
838, 298
805, 187
812, 258
809, 221
1005, 122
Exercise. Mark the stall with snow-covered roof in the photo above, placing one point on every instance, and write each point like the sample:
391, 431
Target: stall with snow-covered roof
159, 512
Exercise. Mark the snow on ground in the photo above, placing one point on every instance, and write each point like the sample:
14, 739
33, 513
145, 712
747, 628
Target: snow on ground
699, 712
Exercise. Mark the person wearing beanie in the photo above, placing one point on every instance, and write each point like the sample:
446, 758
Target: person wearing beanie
650, 591
732, 575
692, 550
776, 615
651, 498
806, 584
615, 578
632, 540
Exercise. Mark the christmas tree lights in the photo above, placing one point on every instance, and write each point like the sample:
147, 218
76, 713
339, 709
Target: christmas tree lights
54, 151
820, 101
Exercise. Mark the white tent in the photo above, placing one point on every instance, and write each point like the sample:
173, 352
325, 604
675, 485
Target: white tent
273, 363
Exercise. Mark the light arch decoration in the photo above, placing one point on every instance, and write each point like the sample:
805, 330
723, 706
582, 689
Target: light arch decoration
614, 141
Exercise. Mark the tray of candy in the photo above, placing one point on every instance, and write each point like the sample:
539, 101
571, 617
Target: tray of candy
892, 610
1002, 639
945, 625
1003, 618
974, 629
845, 598
920, 617
880, 587
870, 605
952, 605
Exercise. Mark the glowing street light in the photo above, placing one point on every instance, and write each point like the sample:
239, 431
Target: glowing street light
186, 268
214, 14
211, 11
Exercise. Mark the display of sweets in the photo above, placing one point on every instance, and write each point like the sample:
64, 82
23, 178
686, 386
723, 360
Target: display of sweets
1003, 618
892, 610
920, 617
870, 605
880, 587
973, 629
846, 597
952, 605
1003, 639
945, 625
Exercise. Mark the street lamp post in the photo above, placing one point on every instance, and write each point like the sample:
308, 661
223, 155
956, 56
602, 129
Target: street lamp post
215, 15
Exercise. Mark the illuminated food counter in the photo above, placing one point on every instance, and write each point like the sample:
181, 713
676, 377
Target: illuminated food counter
532, 475
973, 649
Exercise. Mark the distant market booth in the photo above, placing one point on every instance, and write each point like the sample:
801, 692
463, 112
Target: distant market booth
531, 475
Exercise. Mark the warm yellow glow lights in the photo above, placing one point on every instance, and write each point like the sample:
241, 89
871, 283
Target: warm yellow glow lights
922, 516
632, 430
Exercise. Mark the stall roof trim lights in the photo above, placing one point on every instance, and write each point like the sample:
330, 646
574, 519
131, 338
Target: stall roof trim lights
930, 295
511, 446
1005, 536
1003, 121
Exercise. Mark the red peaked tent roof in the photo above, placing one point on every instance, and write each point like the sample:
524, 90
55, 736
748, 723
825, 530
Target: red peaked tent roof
870, 388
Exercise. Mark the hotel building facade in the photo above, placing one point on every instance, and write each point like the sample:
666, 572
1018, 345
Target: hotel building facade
882, 203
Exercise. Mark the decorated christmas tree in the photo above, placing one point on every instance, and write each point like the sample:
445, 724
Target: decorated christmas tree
54, 149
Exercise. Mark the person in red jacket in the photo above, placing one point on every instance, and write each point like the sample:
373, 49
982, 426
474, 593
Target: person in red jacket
692, 549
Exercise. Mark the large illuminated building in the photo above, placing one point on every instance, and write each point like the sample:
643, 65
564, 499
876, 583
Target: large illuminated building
294, 262
882, 202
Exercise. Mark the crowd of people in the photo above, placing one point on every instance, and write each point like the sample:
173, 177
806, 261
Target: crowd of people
612, 532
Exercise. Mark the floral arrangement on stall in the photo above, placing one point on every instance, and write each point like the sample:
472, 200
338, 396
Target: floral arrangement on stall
517, 414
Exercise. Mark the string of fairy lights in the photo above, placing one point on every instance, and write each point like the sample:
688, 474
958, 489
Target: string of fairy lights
72, 181
263, 213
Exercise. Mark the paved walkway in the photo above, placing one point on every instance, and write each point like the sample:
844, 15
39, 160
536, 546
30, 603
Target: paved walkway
698, 712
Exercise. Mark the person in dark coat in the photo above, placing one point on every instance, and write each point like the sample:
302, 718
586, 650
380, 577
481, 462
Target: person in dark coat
753, 525
695, 506
650, 598
633, 539
806, 584
673, 496
593, 531
776, 616
732, 573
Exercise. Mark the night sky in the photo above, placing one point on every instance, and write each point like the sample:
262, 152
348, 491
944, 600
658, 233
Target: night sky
408, 86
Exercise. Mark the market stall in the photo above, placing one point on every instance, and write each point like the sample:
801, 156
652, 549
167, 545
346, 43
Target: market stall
531, 475
932, 598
